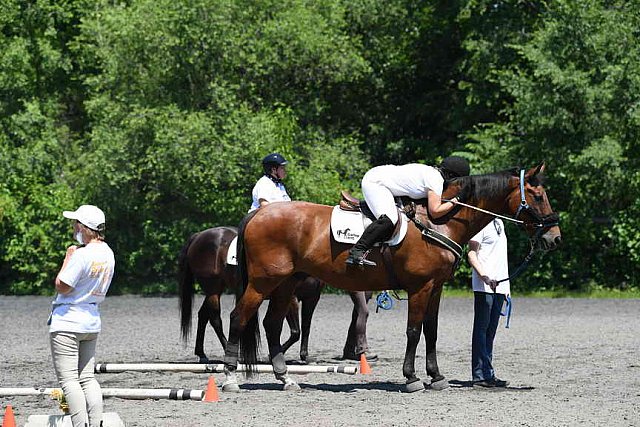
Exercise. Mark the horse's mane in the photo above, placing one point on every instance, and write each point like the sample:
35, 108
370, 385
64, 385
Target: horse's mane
490, 185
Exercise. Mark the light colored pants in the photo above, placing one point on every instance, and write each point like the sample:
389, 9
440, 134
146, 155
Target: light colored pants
74, 360
379, 198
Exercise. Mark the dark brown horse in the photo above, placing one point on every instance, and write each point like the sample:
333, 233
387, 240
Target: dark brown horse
284, 238
204, 260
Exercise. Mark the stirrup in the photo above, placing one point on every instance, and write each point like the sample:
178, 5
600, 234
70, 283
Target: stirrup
354, 260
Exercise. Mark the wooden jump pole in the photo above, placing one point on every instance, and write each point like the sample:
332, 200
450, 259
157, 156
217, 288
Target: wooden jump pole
219, 368
123, 393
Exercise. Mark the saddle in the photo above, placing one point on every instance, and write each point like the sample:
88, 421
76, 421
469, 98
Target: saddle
349, 203
410, 207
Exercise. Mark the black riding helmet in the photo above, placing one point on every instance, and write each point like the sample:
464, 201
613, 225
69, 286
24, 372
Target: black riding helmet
455, 166
273, 160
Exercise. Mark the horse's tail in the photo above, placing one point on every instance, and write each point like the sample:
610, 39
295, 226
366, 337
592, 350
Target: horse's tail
185, 288
250, 337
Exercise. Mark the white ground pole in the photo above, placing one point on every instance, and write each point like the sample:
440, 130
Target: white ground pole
123, 393
219, 368
109, 419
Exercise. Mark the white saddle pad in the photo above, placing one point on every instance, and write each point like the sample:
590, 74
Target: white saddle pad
347, 226
233, 252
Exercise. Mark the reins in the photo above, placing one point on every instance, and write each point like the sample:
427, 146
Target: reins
508, 218
385, 301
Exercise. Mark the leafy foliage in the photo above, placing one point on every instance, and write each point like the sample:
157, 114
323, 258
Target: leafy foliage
160, 111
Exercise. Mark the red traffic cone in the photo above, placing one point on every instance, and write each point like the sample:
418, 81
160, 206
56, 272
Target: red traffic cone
9, 420
364, 365
211, 395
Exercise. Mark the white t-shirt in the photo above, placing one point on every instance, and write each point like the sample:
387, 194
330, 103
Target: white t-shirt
492, 254
410, 180
89, 272
268, 190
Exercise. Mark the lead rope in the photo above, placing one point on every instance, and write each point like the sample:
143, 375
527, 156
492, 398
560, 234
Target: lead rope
507, 311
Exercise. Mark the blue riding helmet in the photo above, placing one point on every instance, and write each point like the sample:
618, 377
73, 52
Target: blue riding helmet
273, 159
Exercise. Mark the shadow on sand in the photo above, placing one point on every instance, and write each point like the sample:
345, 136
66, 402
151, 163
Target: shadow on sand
469, 384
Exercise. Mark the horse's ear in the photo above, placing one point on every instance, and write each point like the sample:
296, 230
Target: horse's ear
538, 170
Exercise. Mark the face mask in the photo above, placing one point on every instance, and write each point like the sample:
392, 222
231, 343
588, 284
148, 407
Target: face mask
78, 237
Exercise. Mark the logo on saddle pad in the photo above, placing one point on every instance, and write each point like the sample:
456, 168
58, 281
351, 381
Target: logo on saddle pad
347, 235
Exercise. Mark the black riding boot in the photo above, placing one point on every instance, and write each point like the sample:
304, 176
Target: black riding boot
378, 231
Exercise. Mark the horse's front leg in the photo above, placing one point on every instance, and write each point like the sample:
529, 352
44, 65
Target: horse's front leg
430, 328
417, 306
279, 304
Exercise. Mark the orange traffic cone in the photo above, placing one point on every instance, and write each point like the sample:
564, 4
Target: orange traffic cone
9, 420
211, 395
364, 365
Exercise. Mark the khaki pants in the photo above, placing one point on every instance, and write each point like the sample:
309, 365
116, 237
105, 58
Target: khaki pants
74, 361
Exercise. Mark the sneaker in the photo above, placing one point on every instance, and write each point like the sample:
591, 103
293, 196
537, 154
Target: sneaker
499, 383
484, 383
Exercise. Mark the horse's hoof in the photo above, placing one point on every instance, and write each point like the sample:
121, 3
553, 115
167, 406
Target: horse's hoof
439, 385
291, 387
231, 387
203, 359
414, 385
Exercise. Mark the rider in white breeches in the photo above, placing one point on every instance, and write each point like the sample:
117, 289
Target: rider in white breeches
382, 183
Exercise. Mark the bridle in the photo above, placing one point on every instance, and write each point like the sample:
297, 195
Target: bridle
540, 223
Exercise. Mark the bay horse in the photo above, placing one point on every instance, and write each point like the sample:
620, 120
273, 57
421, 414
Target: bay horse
203, 259
284, 238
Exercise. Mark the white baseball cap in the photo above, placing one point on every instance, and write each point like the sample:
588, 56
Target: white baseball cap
88, 215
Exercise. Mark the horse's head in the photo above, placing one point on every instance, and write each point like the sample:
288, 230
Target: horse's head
529, 203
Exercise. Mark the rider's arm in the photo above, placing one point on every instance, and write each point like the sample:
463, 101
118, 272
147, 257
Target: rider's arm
437, 208
263, 202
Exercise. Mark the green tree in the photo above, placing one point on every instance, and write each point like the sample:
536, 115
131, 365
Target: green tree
573, 92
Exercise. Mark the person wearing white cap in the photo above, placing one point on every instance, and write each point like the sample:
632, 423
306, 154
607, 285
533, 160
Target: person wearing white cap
74, 324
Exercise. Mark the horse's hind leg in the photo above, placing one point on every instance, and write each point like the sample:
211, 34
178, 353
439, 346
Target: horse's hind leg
203, 317
214, 318
430, 325
356, 343
209, 312
240, 318
293, 320
279, 304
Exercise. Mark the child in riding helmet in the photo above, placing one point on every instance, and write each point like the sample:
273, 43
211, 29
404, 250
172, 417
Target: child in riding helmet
382, 183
